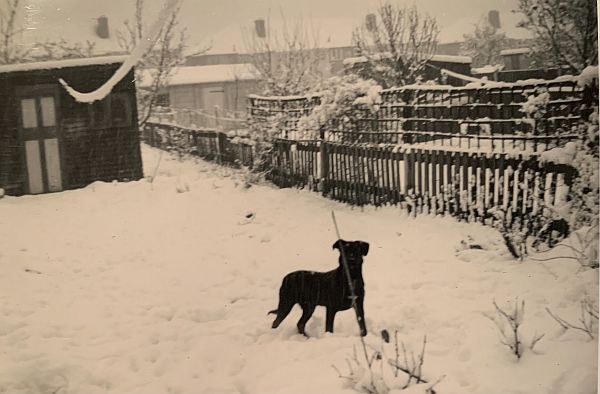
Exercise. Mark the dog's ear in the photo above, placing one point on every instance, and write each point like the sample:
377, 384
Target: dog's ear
364, 247
338, 244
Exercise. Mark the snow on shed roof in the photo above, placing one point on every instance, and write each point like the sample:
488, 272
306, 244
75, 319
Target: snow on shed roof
436, 58
451, 59
515, 51
192, 75
486, 69
56, 64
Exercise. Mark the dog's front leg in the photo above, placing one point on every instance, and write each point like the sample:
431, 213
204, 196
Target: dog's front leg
361, 316
329, 319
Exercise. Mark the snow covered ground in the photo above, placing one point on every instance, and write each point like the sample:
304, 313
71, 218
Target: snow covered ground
165, 287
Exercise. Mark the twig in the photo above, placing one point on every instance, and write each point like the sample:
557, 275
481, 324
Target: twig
566, 325
408, 372
536, 338
397, 353
422, 356
156, 170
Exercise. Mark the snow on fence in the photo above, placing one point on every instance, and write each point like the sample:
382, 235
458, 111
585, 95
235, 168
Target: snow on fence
469, 185
490, 118
227, 148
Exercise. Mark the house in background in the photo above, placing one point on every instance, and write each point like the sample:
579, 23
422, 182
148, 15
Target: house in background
432, 71
330, 59
50, 142
220, 87
518, 66
516, 59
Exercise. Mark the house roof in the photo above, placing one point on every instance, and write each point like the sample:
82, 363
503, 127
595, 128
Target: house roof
205, 74
515, 51
435, 58
56, 64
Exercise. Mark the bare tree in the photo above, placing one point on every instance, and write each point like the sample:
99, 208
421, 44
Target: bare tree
396, 45
484, 44
159, 61
286, 59
10, 50
565, 31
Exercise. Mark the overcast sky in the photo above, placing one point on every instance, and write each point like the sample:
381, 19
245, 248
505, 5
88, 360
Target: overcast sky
221, 22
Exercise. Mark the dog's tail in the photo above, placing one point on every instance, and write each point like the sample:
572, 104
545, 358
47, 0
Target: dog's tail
274, 311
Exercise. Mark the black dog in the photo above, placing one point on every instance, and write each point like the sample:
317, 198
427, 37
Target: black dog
329, 289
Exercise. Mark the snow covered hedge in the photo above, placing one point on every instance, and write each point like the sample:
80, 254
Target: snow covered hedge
339, 98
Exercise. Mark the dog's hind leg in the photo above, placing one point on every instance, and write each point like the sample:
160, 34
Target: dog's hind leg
307, 311
282, 311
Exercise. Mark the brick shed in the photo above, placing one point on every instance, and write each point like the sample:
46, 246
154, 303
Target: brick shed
49, 142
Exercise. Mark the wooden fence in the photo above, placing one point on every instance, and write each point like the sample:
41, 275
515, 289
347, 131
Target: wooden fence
464, 184
222, 147
489, 118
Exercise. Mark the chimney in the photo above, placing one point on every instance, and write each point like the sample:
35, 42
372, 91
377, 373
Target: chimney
371, 22
102, 27
494, 19
259, 27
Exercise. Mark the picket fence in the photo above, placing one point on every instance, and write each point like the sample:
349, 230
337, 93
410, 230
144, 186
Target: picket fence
469, 185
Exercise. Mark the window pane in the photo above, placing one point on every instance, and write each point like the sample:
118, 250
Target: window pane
48, 113
100, 113
28, 113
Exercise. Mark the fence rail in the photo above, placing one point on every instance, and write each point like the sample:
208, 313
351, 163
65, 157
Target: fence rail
215, 145
215, 119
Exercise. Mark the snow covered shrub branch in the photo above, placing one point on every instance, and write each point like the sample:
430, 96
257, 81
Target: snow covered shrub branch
509, 324
339, 98
535, 108
584, 251
513, 231
588, 319
380, 374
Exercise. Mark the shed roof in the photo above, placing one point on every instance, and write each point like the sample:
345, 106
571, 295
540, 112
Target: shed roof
514, 51
435, 58
193, 75
57, 64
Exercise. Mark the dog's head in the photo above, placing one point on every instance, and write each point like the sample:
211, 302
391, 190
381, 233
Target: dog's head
354, 251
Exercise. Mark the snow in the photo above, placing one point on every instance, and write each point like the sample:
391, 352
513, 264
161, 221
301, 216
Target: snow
588, 74
58, 64
463, 77
140, 50
452, 59
486, 69
436, 58
515, 51
164, 287
206, 74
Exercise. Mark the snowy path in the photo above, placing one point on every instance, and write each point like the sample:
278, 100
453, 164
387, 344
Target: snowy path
137, 288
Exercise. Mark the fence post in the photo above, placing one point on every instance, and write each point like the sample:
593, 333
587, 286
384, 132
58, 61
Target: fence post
324, 168
220, 147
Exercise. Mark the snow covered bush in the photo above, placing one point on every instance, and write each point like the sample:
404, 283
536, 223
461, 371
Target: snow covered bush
535, 109
337, 110
389, 369
581, 207
509, 324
